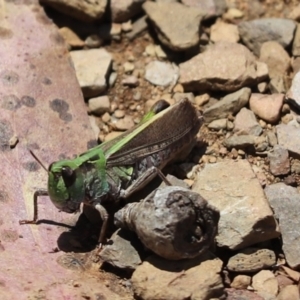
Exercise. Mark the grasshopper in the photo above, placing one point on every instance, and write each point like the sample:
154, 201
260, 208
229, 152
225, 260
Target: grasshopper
117, 168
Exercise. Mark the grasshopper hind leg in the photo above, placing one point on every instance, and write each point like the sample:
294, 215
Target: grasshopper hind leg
104, 216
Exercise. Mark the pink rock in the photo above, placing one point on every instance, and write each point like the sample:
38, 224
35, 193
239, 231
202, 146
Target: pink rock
267, 107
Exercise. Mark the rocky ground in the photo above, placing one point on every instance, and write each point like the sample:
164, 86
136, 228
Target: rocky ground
242, 71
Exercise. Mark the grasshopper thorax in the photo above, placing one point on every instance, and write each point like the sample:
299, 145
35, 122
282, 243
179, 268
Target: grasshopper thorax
65, 185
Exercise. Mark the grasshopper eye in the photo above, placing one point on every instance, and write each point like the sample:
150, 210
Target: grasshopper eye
68, 176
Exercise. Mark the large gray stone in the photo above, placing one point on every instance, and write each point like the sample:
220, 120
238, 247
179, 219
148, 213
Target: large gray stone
177, 25
255, 32
246, 217
285, 201
224, 66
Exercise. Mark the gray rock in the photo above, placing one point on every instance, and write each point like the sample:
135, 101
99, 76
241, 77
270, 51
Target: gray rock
279, 161
223, 66
162, 73
92, 68
276, 58
179, 96
289, 138
210, 8
255, 32
138, 27
285, 201
99, 105
158, 278
222, 31
120, 252
176, 35
122, 11
235, 294
124, 124
251, 260
218, 124
170, 222
267, 107
277, 85
294, 92
272, 139
131, 81
239, 141
230, 104
245, 123
246, 217
296, 42
87, 11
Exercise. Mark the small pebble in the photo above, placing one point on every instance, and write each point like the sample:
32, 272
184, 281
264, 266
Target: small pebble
131, 81
126, 26
128, 67
106, 117
93, 41
112, 79
99, 105
119, 113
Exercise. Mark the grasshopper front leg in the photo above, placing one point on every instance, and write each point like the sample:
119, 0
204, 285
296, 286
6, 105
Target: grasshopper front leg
36, 194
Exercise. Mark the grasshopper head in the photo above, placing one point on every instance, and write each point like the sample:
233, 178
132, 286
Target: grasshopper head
65, 186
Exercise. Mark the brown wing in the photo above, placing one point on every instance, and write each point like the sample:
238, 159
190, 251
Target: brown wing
175, 128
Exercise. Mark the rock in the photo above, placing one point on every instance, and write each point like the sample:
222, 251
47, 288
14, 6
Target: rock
93, 41
122, 11
71, 37
131, 81
233, 13
161, 73
296, 42
121, 251
276, 58
179, 96
233, 294
160, 53
221, 31
119, 113
277, 85
214, 70
127, 26
289, 138
261, 143
112, 135
265, 282
99, 105
230, 104
178, 36
262, 87
201, 100
283, 280
157, 278
272, 139
124, 124
239, 141
241, 282
296, 166
209, 8
245, 123
279, 161
255, 32
137, 27
285, 201
218, 124
87, 11
267, 107
290, 292
170, 222
128, 67
294, 92
92, 67
150, 50
112, 78
295, 13
251, 260
232, 187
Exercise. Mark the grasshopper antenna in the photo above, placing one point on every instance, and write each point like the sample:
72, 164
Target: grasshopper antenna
38, 160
